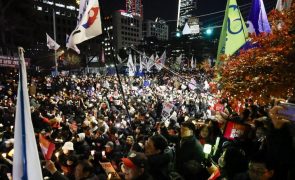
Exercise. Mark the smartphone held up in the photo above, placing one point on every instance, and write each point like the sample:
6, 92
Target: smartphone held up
288, 111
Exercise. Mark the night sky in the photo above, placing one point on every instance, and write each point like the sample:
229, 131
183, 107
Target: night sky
167, 9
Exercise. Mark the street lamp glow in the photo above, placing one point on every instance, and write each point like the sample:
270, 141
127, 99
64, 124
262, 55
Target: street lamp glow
178, 34
209, 31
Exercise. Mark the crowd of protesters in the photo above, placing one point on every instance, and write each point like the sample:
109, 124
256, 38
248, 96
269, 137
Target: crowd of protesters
90, 123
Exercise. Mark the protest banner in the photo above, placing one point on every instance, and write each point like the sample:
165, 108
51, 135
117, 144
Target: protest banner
110, 171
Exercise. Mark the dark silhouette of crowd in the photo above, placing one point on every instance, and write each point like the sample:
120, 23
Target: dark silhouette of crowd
91, 124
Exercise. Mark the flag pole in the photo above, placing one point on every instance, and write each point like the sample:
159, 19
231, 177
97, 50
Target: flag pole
54, 34
119, 79
26, 162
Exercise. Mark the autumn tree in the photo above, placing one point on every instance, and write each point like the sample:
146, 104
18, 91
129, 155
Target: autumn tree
268, 69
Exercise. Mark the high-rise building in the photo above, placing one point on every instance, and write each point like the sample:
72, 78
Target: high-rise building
65, 17
186, 9
122, 30
37, 20
155, 29
134, 7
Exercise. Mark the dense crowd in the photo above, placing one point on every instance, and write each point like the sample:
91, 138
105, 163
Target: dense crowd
93, 126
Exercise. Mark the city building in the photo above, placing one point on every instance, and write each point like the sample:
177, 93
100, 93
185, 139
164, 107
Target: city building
186, 10
31, 26
157, 29
65, 17
124, 29
134, 7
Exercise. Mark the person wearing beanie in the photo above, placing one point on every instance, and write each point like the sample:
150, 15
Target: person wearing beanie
189, 153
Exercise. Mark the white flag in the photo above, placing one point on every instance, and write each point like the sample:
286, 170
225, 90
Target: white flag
283, 4
192, 62
140, 64
144, 60
130, 65
102, 56
157, 62
160, 62
179, 60
51, 44
150, 63
186, 30
89, 22
74, 47
134, 60
26, 163
119, 59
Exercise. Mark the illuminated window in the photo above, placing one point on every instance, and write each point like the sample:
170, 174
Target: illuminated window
71, 7
59, 5
39, 8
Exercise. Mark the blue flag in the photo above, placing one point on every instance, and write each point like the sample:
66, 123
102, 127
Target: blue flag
26, 163
257, 20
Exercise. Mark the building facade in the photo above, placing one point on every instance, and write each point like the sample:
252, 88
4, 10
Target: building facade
160, 30
134, 7
65, 17
186, 9
121, 30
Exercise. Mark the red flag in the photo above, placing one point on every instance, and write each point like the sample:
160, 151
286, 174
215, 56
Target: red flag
214, 175
47, 147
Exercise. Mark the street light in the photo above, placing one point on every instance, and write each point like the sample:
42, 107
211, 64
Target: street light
209, 31
178, 34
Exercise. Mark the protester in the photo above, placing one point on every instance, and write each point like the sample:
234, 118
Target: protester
233, 164
189, 152
86, 118
135, 167
159, 159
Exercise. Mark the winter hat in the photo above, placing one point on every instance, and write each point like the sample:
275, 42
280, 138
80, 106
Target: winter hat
81, 136
68, 146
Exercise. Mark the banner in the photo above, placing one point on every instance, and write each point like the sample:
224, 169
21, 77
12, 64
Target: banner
167, 108
109, 170
234, 130
8, 61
